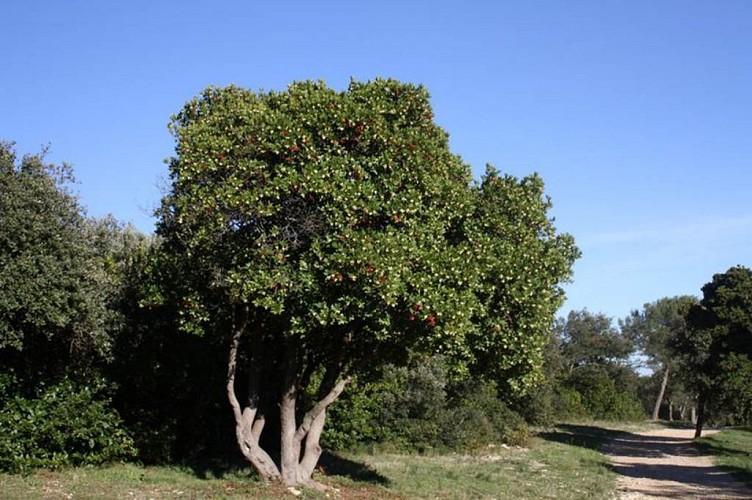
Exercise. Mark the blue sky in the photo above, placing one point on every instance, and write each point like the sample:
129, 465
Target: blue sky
638, 115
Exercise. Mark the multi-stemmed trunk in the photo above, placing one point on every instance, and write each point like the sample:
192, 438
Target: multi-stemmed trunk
299, 442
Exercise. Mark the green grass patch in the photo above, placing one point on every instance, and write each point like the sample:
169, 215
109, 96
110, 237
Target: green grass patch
732, 450
561, 462
132, 481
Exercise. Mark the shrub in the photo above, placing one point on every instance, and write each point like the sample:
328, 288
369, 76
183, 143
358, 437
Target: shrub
66, 424
601, 397
480, 418
417, 409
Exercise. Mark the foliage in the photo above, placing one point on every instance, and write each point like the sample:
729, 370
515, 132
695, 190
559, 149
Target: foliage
586, 376
586, 338
66, 424
654, 329
330, 232
717, 347
418, 408
166, 382
54, 314
167, 390
550, 402
656, 325
603, 397
60, 285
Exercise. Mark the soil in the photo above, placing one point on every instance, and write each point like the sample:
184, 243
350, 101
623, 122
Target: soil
665, 464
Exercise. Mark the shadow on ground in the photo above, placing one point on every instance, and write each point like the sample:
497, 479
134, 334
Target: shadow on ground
335, 465
330, 464
639, 456
585, 436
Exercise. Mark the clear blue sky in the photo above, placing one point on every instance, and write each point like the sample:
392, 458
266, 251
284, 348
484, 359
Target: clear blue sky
638, 114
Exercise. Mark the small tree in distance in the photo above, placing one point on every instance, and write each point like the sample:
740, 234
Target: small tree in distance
587, 338
654, 329
325, 233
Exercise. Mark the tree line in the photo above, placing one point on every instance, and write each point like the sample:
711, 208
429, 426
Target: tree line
318, 246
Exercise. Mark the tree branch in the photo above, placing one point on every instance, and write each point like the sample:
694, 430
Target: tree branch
319, 407
237, 333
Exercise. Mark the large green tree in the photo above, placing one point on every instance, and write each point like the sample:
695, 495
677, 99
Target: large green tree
323, 233
717, 346
654, 329
60, 284
54, 314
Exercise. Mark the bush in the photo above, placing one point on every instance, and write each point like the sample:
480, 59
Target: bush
600, 396
478, 418
417, 409
65, 425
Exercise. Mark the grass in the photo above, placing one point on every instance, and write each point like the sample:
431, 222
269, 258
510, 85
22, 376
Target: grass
732, 450
129, 481
548, 469
561, 462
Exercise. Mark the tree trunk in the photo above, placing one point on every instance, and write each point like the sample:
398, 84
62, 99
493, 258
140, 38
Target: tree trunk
659, 399
299, 444
670, 411
297, 470
289, 449
248, 423
700, 416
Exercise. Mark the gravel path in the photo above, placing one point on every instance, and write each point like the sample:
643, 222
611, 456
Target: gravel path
665, 464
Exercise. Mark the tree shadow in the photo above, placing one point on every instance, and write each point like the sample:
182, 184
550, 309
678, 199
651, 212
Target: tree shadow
221, 468
629, 443
632, 456
329, 463
585, 436
335, 465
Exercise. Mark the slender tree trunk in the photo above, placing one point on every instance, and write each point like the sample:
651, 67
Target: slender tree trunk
659, 399
289, 449
670, 411
248, 423
299, 445
700, 416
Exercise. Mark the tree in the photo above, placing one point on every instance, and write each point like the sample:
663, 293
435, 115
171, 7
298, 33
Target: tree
54, 315
324, 233
654, 329
519, 263
58, 319
594, 378
717, 346
588, 338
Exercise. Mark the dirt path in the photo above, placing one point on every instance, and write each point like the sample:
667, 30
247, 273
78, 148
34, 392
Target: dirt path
664, 464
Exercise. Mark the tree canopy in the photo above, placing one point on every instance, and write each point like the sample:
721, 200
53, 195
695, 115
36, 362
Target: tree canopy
717, 346
54, 310
588, 338
655, 329
323, 233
